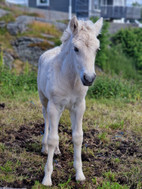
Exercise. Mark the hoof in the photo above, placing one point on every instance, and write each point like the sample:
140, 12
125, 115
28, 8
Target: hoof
44, 150
47, 182
80, 177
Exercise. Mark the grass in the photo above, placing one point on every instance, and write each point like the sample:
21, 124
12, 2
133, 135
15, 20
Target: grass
25, 109
37, 28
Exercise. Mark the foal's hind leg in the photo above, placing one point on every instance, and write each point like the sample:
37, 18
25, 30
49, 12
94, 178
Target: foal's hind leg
53, 141
44, 150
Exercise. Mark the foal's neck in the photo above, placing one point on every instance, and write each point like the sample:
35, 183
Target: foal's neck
67, 64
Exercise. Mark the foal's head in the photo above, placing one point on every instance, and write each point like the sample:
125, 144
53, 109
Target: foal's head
83, 46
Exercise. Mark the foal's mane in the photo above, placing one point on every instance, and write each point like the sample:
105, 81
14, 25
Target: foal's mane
86, 26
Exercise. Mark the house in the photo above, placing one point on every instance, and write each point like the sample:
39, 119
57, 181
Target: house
57, 5
108, 9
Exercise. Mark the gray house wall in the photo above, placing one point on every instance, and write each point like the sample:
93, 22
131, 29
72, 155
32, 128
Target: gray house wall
58, 5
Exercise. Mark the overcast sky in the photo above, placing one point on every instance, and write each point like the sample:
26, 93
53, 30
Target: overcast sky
129, 2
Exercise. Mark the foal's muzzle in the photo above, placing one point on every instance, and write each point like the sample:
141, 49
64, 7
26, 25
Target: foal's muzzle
88, 80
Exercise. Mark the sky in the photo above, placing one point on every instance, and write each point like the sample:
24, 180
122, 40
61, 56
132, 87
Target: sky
17, 1
129, 2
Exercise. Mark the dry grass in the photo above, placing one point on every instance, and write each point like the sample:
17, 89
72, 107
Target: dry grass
46, 28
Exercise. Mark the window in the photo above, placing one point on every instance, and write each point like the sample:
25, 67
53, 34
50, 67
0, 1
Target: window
42, 2
96, 4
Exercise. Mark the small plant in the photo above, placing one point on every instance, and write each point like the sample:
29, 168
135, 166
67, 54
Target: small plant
7, 167
115, 185
117, 160
110, 176
65, 185
103, 137
26, 69
117, 125
94, 180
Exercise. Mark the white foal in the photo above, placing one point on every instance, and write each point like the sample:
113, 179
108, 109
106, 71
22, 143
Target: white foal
64, 74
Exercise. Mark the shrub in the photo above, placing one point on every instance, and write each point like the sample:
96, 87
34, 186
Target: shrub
112, 87
101, 57
119, 64
131, 43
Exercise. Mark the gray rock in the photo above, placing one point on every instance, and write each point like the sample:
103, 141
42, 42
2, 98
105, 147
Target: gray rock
2, 24
8, 59
60, 26
47, 35
20, 25
3, 12
27, 49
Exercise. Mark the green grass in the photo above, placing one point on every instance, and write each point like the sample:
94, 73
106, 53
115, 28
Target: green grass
8, 18
110, 185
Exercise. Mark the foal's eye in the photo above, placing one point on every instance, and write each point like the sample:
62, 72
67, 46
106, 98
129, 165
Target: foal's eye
76, 49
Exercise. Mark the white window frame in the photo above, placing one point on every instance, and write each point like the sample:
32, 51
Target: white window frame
38, 3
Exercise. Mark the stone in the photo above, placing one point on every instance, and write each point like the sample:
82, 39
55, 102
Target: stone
60, 26
3, 12
8, 59
20, 25
2, 24
27, 49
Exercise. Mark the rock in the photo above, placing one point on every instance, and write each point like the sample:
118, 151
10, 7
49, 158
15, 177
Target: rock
13, 28
3, 12
47, 36
60, 26
27, 49
51, 43
2, 24
20, 25
8, 59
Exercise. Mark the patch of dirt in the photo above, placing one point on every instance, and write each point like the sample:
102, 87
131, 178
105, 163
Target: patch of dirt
121, 154
2, 106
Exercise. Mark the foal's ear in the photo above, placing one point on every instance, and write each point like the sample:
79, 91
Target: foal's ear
74, 25
98, 26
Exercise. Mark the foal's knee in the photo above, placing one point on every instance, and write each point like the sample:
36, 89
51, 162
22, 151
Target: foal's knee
53, 140
77, 138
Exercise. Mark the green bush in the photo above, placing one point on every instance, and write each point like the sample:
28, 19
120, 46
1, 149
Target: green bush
101, 57
119, 64
112, 87
131, 43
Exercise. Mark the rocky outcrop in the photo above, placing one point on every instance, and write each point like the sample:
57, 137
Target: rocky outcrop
2, 24
20, 25
28, 49
8, 59
3, 12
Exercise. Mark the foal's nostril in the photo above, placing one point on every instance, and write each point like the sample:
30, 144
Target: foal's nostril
88, 78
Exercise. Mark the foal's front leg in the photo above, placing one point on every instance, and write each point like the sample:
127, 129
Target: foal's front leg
52, 141
77, 135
